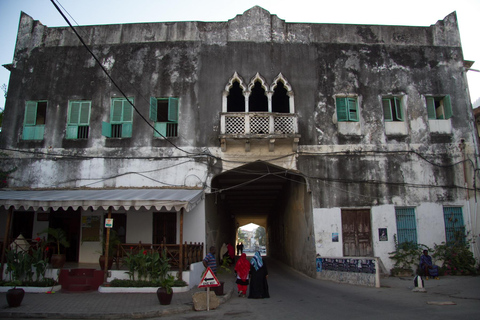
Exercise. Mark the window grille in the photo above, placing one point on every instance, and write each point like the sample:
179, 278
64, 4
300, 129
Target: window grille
283, 125
234, 125
406, 225
454, 227
260, 124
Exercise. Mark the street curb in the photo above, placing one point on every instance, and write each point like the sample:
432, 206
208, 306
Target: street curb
134, 315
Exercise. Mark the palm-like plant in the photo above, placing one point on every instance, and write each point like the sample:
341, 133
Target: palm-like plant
59, 237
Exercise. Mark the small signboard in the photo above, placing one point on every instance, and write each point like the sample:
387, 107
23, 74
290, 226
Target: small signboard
209, 280
108, 223
382, 234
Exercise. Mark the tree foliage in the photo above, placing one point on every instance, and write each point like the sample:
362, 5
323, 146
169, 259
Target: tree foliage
261, 236
242, 236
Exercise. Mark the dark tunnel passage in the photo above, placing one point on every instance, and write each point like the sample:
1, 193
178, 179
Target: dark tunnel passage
270, 197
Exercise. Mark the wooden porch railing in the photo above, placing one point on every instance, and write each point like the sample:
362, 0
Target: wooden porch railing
192, 252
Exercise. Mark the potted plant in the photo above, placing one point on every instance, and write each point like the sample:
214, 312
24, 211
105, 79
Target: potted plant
58, 237
166, 281
17, 266
165, 292
15, 296
113, 244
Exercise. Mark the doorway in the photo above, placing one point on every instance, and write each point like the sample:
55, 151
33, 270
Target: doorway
165, 227
357, 233
22, 224
69, 221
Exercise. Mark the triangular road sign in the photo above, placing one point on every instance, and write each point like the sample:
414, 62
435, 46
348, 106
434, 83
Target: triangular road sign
209, 280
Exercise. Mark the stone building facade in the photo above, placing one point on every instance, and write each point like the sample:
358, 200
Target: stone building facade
336, 138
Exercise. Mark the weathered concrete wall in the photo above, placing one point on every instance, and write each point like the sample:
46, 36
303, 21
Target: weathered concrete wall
290, 234
429, 223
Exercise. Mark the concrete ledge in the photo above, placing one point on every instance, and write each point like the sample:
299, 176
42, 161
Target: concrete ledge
353, 270
103, 289
33, 289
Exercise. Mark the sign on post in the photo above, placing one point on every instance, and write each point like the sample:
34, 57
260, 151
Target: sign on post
108, 223
209, 280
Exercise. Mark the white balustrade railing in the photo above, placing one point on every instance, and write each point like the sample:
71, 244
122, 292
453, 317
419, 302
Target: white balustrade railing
245, 123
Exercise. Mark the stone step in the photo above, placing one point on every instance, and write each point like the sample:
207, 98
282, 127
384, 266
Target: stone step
79, 287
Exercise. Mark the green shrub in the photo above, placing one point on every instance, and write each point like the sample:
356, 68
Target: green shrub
406, 255
456, 256
147, 265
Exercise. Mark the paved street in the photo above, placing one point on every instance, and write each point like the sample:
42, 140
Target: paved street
293, 296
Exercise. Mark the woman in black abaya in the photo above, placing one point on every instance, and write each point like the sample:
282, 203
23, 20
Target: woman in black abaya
258, 278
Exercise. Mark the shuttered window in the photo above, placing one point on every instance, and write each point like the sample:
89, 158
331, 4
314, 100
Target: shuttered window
164, 112
439, 108
406, 225
78, 120
347, 109
121, 119
392, 109
454, 226
34, 120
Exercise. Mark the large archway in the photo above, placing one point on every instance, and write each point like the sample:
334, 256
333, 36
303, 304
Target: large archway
272, 197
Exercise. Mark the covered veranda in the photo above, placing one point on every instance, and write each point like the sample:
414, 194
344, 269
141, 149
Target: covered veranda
180, 202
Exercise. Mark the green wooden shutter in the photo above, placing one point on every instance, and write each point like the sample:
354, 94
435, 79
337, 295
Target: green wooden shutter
398, 108
127, 130
106, 129
352, 109
342, 109
72, 132
28, 133
117, 111
431, 108
153, 109
30, 113
39, 132
387, 110
173, 109
84, 118
127, 111
74, 115
162, 128
447, 107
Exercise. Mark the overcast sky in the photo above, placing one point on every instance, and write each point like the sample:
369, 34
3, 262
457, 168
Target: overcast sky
384, 12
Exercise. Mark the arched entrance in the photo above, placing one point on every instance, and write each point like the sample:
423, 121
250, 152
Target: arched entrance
272, 197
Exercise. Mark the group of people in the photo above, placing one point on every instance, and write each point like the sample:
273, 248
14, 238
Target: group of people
254, 273
239, 248
251, 273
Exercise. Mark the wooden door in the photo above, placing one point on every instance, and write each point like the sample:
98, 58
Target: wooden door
357, 233
165, 226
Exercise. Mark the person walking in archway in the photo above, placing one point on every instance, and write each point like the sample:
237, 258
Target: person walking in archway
258, 278
242, 269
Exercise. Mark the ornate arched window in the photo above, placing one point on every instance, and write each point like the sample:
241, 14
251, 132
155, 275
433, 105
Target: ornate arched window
234, 95
258, 97
282, 98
